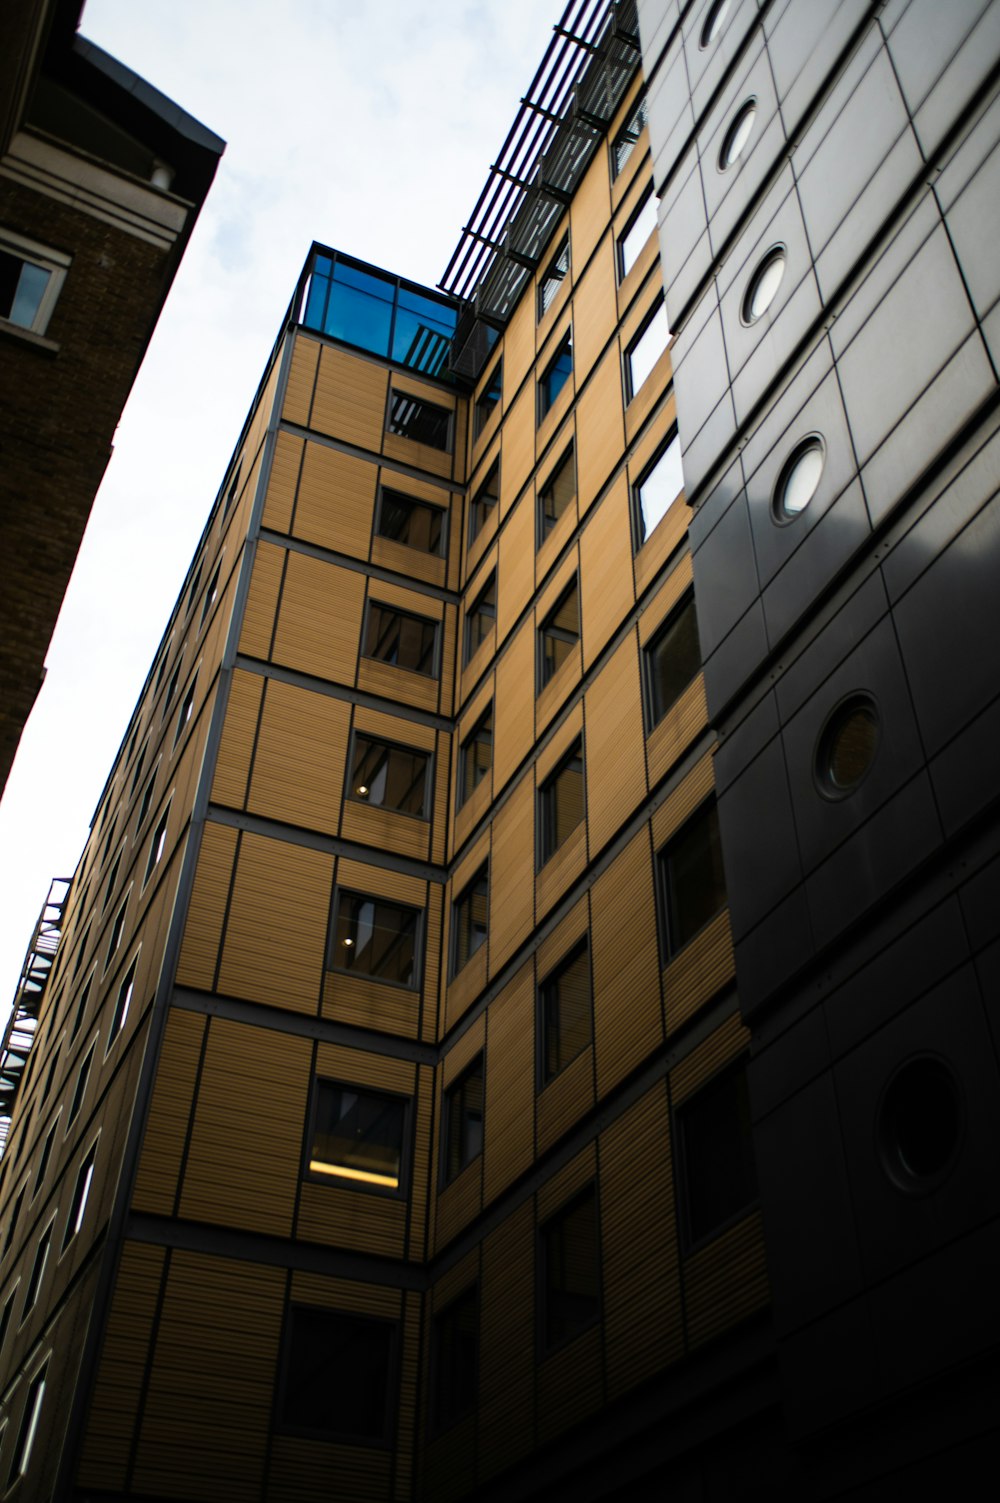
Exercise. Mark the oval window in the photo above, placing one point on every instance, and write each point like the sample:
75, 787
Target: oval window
737, 135
847, 746
763, 285
800, 475
713, 22
920, 1124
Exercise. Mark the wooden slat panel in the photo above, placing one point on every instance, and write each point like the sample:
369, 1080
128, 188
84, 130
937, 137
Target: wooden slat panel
449, 1463
408, 1376
570, 1384
433, 961
701, 969
406, 451
382, 882
628, 1021
510, 1083
301, 1471
512, 897
237, 1174
232, 767
590, 209
262, 601
346, 1294
281, 486
726, 1281
728, 1041
207, 908
320, 620
616, 761
336, 500
350, 1219
514, 724
600, 429
405, 560
595, 310
298, 392
669, 740
565, 1099
516, 575
371, 1004
360, 1067
420, 1167
414, 601
606, 591
561, 870
446, 702
301, 754
398, 685
562, 1186
350, 398
562, 939
507, 1343
394, 728
385, 828
276, 935
442, 784
518, 350
666, 597
517, 454
459, 1202
167, 1125
684, 800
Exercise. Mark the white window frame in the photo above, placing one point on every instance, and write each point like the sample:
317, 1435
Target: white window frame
56, 263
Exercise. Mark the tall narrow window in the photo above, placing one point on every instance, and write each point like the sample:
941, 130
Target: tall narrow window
566, 1013
646, 349
570, 1276
137, 773
557, 494
637, 232
672, 660
81, 1007
31, 277
14, 1218
481, 618
404, 519
658, 489
557, 373
37, 1272
483, 503
624, 143
156, 845
117, 931
81, 1194
123, 1002
80, 1090
211, 595
470, 920
376, 938
403, 640
555, 273
455, 1360
694, 885
357, 1136
560, 803
21, 1458
335, 1380
476, 756
422, 422
168, 698
43, 1162
488, 402
559, 634
186, 710
463, 1120
147, 799
718, 1173
389, 777
112, 881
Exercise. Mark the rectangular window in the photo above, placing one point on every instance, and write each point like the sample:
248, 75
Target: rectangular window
455, 1360
559, 634
565, 1013
646, 349
672, 659
377, 938
50, 1077
186, 710
489, 400
557, 373
624, 143
718, 1175
555, 273
659, 488
480, 618
470, 919
483, 503
123, 1002
557, 494
21, 1459
476, 756
692, 879
81, 1194
31, 278
632, 241
37, 1272
560, 803
336, 1371
423, 422
570, 1274
463, 1120
389, 777
156, 845
357, 1136
414, 523
403, 640
80, 1090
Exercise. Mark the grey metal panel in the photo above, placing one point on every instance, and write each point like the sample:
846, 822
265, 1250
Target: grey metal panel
789, 1061
866, 216
837, 534
736, 749
835, 144
767, 225
685, 250
725, 560
965, 158
991, 335
749, 173
751, 80
657, 19
784, 410
671, 118
980, 900
701, 375
714, 437
941, 54
839, 637
707, 65
759, 849
737, 658
783, 333
974, 225
885, 271
965, 774
773, 951
828, 1369
803, 42
708, 512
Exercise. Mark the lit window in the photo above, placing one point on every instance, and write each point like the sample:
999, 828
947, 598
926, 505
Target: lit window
565, 1013
483, 502
211, 595
763, 286
659, 488
21, 1458
186, 710
476, 756
389, 777
414, 523
560, 803
718, 1176
555, 273
487, 403
463, 1120
691, 872
672, 659
81, 1086
557, 494
117, 931
559, 634
378, 938
557, 373
470, 920
713, 22
455, 1360
626, 138
357, 1136
646, 349
570, 1280
480, 618
30, 282
336, 1375
422, 422
156, 845
737, 135
637, 232
81, 1193
403, 640
37, 1272
799, 477
123, 1002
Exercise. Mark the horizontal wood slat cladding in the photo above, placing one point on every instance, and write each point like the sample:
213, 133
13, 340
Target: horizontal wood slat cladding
422, 1159
513, 721
394, 728
667, 535
298, 769
600, 429
350, 398
433, 961
507, 1343
517, 453
381, 592
371, 1004
673, 587
301, 379
346, 1294
561, 870
643, 1316
170, 1110
280, 499
510, 1084
446, 700
518, 349
207, 908
570, 1384
565, 1099
247, 1129
669, 740
319, 623
442, 781
387, 829
685, 799
449, 1462
606, 590
398, 685
616, 759
409, 1366
595, 309
262, 601
336, 500
239, 731
590, 210
516, 573
728, 1041
701, 969
726, 1281
300, 1471
351, 1219
276, 933
388, 554
360, 1067
406, 451
114, 1403
209, 1403
628, 1020
512, 898
382, 882
459, 1202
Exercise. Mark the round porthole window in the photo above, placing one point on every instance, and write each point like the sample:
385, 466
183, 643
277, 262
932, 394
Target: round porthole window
737, 135
920, 1124
713, 22
847, 746
764, 285
798, 479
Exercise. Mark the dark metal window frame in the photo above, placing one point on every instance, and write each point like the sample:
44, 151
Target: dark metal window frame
398, 432
357, 734
123, 1002
543, 997
475, 737
413, 988
480, 609
466, 894
489, 400
547, 843
668, 623
621, 271
545, 527
485, 501
388, 490
476, 1065
553, 274
690, 1244
669, 947
374, 604
283, 1426
545, 1346
438, 1421
557, 633
629, 134
383, 1192
640, 537
546, 401
89, 1161
632, 391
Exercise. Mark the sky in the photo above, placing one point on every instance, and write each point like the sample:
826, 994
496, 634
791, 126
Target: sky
367, 124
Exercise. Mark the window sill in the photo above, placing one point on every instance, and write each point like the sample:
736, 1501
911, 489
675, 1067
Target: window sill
29, 337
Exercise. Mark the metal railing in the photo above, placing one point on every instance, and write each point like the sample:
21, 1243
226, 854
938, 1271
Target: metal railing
22, 1025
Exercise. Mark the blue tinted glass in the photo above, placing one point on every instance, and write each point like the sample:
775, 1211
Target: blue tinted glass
312, 314
358, 319
364, 281
556, 377
323, 265
431, 311
418, 344
30, 291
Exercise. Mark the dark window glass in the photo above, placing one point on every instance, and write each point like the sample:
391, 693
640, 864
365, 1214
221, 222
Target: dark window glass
488, 401
156, 845
37, 1271
137, 774
463, 1120
376, 938
28, 1428
81, 1086
561, 802
22, 287
406, 520
81, 1007
112, 881
401, 639
211, 595
555, 272
719, 1177
480, 618
559, 634
558, 493
81, 1192
50, 1077
8, 1310
420, 421
14, 1216
470, 921
566, 1013
456, 1360
357, 1136
557, 373
673, 658
43, 1162
422, 334
476, 756
171, 688
390, 777
693, 879
483, 502
186, 710
571, 1296
147, 799
234, 488
627, 137
123, 1002
336, 1374
117, 929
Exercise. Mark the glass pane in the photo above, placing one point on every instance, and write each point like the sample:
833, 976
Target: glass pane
696, 887
572, 1294
464, 1121
358, 1136
635, 238
674, 659
558, 493
477, 756
337, 1374
556, 376
389, 777
405, 641
22, 287
376, 938
456, 1356
660, 489
567, 1014
719, 1166
420, 421
470, 920
647, 349
360, 309
798, 486
408, 521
